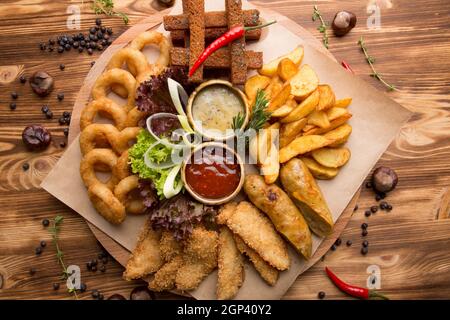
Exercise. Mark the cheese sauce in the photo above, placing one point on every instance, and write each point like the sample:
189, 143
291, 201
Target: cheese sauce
215, 107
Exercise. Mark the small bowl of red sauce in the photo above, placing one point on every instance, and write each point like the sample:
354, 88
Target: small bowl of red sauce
213, 173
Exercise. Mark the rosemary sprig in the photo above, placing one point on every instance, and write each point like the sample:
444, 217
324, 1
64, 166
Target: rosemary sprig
371, 61
323, 26
259, 115
107, 7
54, 232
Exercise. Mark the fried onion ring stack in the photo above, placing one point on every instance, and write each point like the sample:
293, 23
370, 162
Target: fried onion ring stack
105, 146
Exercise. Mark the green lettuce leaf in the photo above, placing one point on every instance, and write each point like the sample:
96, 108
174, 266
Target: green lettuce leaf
158, 154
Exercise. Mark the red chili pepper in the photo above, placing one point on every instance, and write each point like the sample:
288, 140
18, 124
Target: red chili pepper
223, 40
347, 66
358, 292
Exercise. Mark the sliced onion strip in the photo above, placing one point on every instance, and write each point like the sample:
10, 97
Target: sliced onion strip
169, 189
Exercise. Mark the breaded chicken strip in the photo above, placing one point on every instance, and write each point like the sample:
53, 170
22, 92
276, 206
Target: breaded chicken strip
165, 277
226, 211
146, 256
169, 246
265, 270
199, 257
230, 266
259, 234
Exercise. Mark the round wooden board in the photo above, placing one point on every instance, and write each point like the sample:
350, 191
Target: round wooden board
116, 250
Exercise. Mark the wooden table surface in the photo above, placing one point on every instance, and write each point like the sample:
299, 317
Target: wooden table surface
410, 244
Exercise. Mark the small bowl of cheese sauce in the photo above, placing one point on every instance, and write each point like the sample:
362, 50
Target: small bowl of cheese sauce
213, 106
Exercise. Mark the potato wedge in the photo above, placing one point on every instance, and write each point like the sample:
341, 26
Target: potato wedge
343, 103
318, 170
333, 124
308, 127
274, 87
334, 113
302, 188
287, 69
303, 109
278, 100
319, 119
282, 111
302, 145
331, 157
270, 69
339, 135
253, 84
290, 131
327, 97
270, 166
304, 82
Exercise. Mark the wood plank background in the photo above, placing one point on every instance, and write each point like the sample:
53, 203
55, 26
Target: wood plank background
409, 244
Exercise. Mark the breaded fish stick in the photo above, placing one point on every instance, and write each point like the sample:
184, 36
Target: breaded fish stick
230, 266
287, 219
146, 256
265, 270
259, 234
199, 259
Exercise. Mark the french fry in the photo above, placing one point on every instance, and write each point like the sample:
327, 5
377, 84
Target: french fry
339, 135
308, 127
319, 171
331, 157
253, 84
304, 82
302, 145
290, 131
280, 98
343, 103
270, 69
327, 97
303, 109
282, 111
333, 124
286, 69
334, 113
270, 167
319, 119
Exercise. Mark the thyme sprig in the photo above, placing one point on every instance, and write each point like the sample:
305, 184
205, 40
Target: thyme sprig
107, 7
259, 115
54, 230
323, 26
371, 60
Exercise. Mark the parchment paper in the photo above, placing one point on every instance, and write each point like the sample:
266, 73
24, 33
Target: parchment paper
376, 121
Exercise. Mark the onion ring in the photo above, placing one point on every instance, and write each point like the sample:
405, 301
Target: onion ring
87, 167
154, 37
105, 107
134, 116
106, 203
122, 193
122, 169
135, 61
115, 76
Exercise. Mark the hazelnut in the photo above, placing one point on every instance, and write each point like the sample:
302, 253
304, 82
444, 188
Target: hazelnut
384, 179
343, 22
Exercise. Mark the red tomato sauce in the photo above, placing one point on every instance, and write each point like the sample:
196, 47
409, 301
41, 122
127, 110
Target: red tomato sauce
213, 176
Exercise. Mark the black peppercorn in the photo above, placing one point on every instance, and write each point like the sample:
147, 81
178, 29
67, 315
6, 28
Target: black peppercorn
76, 44
94, 269
105, 260
60, 49
45, 222
367, 213
38, 251
12, 106
90, 51
100, 296
62, 66
99, 47
83, 287
373, 209
364, 251
43, 243
49, 115
103, 268
333, 247
14, 95
103, 29
117, 296
67, 47
109, 31
364, 232
321, 295
338, 242
51, 41
95, 294
55, 286
66, 131
349, 243
23, 79
368, 185
51, 48
44, 109
355, 208
62, 144
365, 243
98, 21
60, 96
25, 166
364, 225
32, 271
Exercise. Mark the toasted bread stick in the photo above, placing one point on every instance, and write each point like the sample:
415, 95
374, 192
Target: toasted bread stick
212, 34
213, 19
218, 60
237, 47
197, 35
